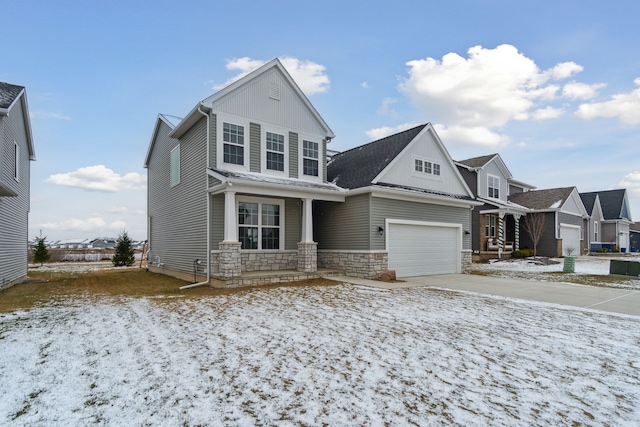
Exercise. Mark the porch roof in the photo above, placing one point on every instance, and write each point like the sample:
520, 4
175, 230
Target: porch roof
255, 183
502, 206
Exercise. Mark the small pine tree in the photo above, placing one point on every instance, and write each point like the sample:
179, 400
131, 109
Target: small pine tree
40, 252
124, 251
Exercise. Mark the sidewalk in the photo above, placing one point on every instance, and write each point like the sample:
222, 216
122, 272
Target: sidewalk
613, 300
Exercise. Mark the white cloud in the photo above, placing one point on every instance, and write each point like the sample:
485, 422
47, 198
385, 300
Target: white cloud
575, 90
47, 115
484, 91
99, 178
631, 182
94, 224
478, 135
381, 132
124, 210
365, 85
385, 109
625, 106
547, 113
309, 76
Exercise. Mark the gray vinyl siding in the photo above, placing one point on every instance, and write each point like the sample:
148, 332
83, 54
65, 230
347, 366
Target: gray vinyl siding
343, 226
178, 214
564, 218
217, 221
14, 211
293, 223
213, 136
293, 155
382, 209
548, 244
254, 143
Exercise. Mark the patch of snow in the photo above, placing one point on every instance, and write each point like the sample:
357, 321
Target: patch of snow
556, 205
335, 355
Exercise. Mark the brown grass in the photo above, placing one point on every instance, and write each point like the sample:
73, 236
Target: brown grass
136, 282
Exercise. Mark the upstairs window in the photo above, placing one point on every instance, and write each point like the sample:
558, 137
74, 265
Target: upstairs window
419, 165
233, 141
175, 165
425, 168
310, 158
275, 151
493, 186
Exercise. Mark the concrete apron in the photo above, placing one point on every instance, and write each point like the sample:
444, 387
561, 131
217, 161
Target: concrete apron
613, 300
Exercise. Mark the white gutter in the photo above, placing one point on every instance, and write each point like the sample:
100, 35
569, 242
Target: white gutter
208, 261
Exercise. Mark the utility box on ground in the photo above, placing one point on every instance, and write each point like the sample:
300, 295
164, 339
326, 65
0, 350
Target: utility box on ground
624, 267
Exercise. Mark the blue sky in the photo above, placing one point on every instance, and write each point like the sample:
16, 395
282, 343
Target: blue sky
554, 87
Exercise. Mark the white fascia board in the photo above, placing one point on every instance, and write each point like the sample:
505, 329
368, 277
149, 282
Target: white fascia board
189, 120
154, 135
509, 208
412, 196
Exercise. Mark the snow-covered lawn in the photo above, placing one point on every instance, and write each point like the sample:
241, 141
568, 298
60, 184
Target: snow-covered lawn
335, 355
587, 268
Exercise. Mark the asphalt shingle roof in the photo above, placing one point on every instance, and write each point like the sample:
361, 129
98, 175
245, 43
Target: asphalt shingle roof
588, 200
542, 199
611, 201
357, 167
8, 94
477, 162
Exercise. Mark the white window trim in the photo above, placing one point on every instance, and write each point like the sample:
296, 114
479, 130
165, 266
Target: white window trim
489, 176
171, 160
16, 161
321, 158
221, 119
263, 150
425, 175
260, 201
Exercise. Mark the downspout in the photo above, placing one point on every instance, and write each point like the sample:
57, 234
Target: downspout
208, 262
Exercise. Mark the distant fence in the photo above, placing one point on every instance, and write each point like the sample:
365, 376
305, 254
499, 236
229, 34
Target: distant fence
81, 255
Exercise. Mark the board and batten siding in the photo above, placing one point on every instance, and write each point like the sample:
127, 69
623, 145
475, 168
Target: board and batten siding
342, 226
383, 208
177, 214
14, 211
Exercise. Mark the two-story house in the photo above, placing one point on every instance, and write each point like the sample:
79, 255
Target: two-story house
16, 153
231, 185
609, 220
496, 224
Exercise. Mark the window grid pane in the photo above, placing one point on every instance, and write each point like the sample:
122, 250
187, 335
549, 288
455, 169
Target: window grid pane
275, 161
418, 165
271, 215
310, 149
427, 167
233, 133
248, 237
233, 154
270, 238
436, 169
275, 142
247, 213
310, 167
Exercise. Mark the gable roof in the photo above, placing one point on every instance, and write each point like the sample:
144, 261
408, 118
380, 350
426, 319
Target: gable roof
167, 119
552, 198
477, 162
589, 201
613, 203
9, 95
194, 116
359, 166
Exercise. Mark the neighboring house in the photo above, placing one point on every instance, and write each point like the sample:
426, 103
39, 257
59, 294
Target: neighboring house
407, 209
102, 243
634, 237
231, 185
16, 152
565, 216
610, 220
496, 224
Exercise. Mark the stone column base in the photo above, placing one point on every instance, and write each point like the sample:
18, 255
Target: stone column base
307, 257
230, 262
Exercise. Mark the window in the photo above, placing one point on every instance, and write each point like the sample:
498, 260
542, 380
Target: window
175, 165
16, 161
418, 165
425, 168
493, 186
275, 151
490, 226
436, 169
233, 138
595, 231
310, 158
259, 225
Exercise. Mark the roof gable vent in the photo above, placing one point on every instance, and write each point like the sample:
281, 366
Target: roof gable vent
274, 91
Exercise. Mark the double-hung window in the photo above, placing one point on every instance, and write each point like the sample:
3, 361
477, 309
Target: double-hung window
233, 141
490, 226
493, 186
275, 151
595, 232
259, 225
310, 158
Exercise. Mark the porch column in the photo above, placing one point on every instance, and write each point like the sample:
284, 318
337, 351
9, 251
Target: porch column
307, 221
500, 233
230, 217
516, 243
307, 248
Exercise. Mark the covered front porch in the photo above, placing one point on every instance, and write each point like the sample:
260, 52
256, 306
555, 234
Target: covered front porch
500, 231
263, 227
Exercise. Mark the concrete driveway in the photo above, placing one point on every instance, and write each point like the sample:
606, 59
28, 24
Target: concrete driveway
606, 299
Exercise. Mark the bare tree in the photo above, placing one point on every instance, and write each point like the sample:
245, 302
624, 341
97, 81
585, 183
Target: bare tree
534, 226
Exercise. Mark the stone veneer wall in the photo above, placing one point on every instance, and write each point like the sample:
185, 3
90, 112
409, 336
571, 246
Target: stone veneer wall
467, 259
366, 265
260, 261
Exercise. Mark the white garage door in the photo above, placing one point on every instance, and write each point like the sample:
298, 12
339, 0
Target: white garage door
419, 250
570, 236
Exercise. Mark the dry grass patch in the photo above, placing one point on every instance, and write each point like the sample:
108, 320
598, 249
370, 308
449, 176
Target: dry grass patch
129, 282
556, 276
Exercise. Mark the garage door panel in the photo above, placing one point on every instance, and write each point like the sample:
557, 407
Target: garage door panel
570, 239
416, 250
